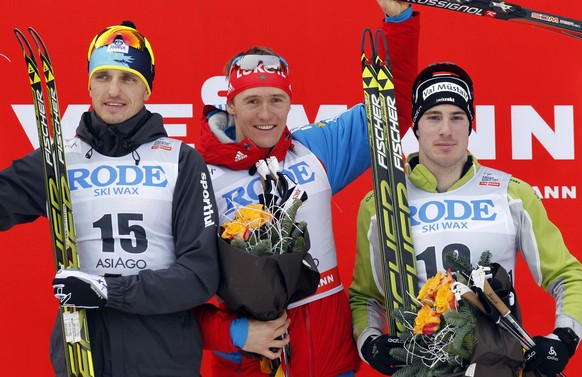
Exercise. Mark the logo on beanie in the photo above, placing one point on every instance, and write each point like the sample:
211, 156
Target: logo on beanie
259, 69
445, 99
445, 87
242, 79
118, 45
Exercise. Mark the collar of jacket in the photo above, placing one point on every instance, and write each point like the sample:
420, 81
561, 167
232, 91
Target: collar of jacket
217, 148
422, 178
115, 140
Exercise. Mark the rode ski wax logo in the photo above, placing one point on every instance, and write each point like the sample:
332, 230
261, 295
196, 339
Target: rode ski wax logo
117, 180
451, 214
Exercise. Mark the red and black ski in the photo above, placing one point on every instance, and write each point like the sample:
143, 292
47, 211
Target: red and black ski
502, 10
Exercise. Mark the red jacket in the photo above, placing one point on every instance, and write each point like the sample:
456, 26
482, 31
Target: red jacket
321, 340
322, 344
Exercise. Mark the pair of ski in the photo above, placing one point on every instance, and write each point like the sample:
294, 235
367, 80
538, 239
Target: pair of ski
398, 260
60, 211
502, 10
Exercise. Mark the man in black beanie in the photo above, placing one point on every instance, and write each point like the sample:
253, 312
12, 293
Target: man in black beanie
459, 206
442, 83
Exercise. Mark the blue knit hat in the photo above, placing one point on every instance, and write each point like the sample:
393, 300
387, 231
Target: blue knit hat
122, 47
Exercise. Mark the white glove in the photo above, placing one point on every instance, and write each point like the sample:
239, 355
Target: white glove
79, 289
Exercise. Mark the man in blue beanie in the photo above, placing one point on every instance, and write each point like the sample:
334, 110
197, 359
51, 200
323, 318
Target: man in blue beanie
145, 221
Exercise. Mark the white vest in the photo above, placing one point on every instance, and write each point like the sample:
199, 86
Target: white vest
123, 210
467, 221
236, 188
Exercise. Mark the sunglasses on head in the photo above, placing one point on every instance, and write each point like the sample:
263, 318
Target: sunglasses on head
442, 68
249, 62
127, 35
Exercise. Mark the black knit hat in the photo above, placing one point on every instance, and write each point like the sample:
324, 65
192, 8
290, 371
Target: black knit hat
442, 83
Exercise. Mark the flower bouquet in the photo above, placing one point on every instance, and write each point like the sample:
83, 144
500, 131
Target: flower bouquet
439, 338
451, 333
264, 262
263, 254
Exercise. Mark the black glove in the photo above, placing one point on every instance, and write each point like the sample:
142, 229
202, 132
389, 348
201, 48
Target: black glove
550, 355
79, 289
376, 351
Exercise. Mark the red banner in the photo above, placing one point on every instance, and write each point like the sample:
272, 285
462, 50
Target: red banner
528, 98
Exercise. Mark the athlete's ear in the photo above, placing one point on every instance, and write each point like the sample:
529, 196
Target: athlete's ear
230, 107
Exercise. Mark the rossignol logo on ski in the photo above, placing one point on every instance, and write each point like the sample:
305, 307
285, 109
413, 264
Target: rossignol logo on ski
449, 5
502, 10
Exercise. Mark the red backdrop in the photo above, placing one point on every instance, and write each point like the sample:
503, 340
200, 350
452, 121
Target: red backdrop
527, 80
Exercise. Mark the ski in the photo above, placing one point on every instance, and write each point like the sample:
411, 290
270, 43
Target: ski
502, 10
400, 283
60, 211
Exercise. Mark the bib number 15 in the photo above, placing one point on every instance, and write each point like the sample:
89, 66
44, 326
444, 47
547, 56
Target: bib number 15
132, 237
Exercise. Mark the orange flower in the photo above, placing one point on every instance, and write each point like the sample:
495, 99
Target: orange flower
254, 215
235, 229
427, 321
428, 291
445, 298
